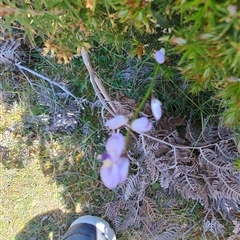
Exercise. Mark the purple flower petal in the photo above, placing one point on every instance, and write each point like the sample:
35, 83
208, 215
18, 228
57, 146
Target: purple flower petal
115, 173
109, 175
115, 146
141, 125
117, 122
104, 157
160, 56
156, 108
123, 166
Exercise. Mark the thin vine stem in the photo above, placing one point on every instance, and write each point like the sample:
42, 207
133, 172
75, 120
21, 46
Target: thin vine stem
143, 102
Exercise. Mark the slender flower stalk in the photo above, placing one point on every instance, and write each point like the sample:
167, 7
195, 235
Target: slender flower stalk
156, 71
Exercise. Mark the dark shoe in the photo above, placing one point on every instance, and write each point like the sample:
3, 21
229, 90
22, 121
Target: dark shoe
89, 228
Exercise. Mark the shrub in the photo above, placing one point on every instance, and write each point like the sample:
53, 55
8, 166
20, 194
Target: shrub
206, 34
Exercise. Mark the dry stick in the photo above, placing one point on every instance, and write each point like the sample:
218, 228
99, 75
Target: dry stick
51, 82
97, 85
179, 146
26, 77
96, 81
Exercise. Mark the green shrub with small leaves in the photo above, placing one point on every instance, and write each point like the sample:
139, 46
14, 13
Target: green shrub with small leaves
204, 32
67, 26
207, 38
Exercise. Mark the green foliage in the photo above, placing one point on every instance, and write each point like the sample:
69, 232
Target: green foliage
208, 39
65, 26
205, 33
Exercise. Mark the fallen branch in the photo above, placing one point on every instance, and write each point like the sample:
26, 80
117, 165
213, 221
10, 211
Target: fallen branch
51, 82
99, 89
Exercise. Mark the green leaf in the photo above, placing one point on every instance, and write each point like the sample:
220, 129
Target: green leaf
161, 20
123, 13
155, 185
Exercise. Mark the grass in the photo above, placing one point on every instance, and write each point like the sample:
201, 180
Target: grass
23, 199
50, 178
44, 179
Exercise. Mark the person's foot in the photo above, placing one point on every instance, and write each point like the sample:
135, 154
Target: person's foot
89, 228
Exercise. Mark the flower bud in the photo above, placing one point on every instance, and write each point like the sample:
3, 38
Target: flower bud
141, 125
117, 122
179, 41
160, 55
156, 108
232, 9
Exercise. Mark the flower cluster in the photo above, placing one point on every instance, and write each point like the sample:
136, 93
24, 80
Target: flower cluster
115, 165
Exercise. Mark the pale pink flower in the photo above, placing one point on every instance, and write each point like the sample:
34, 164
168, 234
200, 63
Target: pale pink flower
178, 41
115, 168
233, 79
232, 9
156, 107
116, 122
160, 55
141, 125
